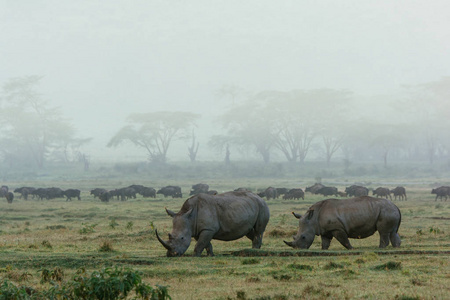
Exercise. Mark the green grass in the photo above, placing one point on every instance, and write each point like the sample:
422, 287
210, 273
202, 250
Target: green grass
90, 234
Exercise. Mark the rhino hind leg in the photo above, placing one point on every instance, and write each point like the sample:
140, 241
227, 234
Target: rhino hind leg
395, 239
342, 237
256, 238
384, 240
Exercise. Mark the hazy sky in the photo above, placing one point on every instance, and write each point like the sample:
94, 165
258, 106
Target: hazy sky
102, 60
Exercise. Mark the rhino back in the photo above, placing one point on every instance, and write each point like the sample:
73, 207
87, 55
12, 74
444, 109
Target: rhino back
231, 215
359, 217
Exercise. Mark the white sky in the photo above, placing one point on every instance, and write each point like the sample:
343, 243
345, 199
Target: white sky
103, 60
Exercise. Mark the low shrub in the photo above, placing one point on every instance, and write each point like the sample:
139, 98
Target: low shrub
390, 265
87, 228
332, 265
250, 261
300, 267
106, 246
108, 283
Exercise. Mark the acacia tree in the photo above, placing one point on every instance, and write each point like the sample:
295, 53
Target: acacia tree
304, 115
248, 125
221, 143
32, 130
193, 149
155, 131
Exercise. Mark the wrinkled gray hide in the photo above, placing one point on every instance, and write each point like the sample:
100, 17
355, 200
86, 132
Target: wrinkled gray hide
355, 218
228, 216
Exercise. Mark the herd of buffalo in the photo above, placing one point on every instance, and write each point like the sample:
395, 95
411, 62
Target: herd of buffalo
104, 195
208, 215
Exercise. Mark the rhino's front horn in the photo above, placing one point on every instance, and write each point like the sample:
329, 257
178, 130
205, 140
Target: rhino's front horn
162, 242
289, 244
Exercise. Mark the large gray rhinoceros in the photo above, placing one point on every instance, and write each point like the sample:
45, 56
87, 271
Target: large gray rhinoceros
228, 216
355, 218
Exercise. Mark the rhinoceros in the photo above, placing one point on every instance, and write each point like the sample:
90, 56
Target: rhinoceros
228, 216
355, 218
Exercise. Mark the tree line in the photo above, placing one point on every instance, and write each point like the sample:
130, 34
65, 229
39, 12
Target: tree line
291, 125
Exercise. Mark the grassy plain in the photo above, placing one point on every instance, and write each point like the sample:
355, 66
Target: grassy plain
90, 234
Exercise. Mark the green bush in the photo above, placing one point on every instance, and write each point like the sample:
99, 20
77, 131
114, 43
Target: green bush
107, 284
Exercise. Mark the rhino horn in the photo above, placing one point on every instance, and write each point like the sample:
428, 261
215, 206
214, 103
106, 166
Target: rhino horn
162, 242
170, 213
289, 244
296, 215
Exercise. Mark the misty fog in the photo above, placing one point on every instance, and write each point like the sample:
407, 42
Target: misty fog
382, 63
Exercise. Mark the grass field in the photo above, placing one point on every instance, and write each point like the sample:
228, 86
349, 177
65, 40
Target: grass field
36, 235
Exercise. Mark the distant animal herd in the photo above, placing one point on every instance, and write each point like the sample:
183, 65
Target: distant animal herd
130, 192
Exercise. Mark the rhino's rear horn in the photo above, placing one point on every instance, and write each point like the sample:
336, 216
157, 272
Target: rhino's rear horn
298, 216
170, 213
162, 242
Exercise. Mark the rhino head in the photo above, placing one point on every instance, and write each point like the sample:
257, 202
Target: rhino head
180, 238
306, 231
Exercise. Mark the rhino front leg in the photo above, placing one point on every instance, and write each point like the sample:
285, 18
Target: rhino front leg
326, 240
204, 242
342, 237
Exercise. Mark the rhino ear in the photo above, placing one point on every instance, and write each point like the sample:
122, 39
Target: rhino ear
310, 214
170, 213
296, 215
189, 213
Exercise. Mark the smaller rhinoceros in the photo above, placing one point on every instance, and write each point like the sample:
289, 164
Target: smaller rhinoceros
227, 217
355, 218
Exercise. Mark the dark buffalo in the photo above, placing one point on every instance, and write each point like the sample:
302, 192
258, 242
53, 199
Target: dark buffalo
269, 193
148, 192
171, 190
125, 193
355, 218
382, 192
24, 191
105, 196
40, 193
54, 192
314, 188
356, 191
48, 193
9, 197
212, 192
199, 188
399, 192
137, 187
97, 191
294, 194
281, 191
226, 217
3, 190
441, 192
72, 193
327, 191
